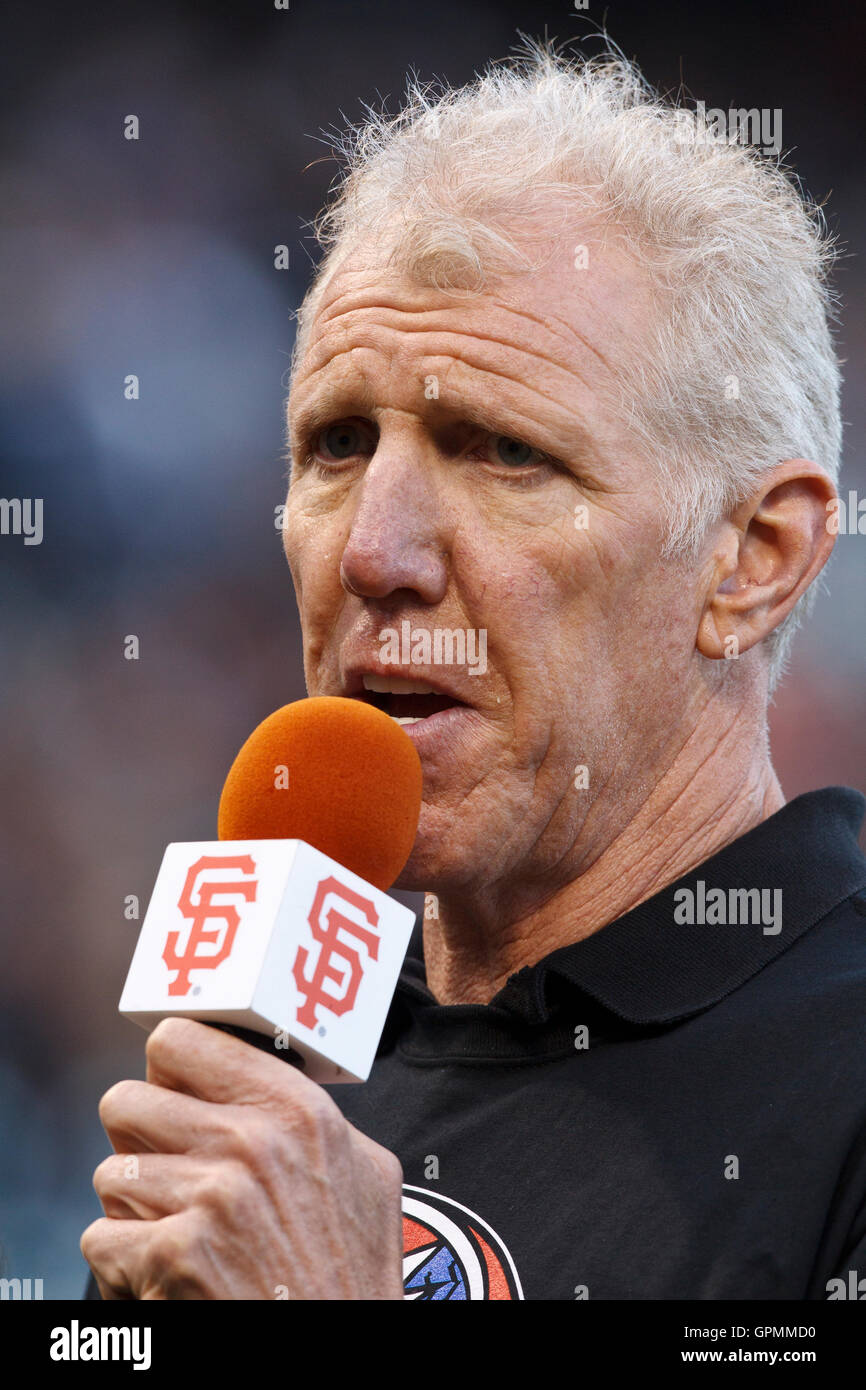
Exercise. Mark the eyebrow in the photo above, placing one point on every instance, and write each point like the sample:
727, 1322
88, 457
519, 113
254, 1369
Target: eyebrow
321, 411
353, 395
344, 403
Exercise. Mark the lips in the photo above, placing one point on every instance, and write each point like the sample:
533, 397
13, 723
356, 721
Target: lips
402, 707
405, 700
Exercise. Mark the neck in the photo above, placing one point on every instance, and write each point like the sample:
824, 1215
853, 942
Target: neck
702, 801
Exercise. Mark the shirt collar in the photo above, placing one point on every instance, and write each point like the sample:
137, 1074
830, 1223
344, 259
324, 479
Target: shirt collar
647, 967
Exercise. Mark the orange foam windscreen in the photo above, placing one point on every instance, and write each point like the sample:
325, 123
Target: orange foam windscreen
338, 773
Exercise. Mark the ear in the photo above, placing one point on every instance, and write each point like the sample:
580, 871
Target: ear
769, 551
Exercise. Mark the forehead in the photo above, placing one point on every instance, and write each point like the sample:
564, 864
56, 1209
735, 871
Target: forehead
582, 308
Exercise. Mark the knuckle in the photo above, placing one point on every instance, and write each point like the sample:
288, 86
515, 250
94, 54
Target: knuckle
221, 1189
182, 1257
165, 1038
254, 1138
90, 1242
315, 1118
392, 1170
172, 1256
116, 1098
167, 1258
263, 1141
104, 1173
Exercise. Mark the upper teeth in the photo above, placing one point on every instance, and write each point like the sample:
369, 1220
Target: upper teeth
392, 685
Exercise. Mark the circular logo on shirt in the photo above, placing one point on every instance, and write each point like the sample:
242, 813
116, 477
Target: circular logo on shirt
450, 1253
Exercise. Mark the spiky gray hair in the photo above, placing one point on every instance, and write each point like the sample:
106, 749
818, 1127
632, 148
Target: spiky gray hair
462, 182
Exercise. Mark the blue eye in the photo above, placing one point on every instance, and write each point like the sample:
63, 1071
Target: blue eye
341, 441
512, 451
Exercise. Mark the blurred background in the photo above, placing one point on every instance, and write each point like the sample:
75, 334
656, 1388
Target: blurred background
156, 257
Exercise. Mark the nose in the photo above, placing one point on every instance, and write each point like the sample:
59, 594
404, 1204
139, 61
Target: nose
395, 541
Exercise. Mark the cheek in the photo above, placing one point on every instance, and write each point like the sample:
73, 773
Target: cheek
527, 593
568, 619
292, 532
313, 550
290, 550
526, 608
510, 568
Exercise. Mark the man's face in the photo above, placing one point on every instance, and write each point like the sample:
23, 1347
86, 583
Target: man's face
465, 463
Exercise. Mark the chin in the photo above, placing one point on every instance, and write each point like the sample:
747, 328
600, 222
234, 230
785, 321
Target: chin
438, 865
424, 873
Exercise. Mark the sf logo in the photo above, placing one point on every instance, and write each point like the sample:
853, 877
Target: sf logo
326, 922
203, 911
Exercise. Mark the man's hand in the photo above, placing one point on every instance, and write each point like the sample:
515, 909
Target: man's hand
235, 1176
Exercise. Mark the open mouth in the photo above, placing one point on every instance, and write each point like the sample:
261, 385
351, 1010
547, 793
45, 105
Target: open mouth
406, 701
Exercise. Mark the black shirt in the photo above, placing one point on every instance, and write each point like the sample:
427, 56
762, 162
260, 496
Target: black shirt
668, 1109
664, 1110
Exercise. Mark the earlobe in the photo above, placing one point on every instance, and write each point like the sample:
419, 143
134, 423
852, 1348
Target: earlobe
714, 627
782, 543
715, 641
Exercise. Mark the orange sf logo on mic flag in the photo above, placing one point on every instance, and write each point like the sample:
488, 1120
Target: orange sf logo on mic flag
202, 911
325, 927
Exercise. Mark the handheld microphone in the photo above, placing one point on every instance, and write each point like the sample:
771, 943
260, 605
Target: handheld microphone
281, 931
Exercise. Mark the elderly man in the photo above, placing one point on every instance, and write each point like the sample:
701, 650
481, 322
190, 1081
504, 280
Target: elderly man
564, 383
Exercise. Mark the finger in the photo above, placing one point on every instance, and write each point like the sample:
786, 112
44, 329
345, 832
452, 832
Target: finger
106, 1246
147, 1187
139, 1117
185, 1055
142, 1259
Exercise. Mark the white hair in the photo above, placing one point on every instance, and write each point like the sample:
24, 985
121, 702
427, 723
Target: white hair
738, 372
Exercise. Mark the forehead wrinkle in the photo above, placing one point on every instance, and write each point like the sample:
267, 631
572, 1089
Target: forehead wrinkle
380, 317
378, 293
570, 333
461, 351
393, 299
505, 371
412, 326
353, 384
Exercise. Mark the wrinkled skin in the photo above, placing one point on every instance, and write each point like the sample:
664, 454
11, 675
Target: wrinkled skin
247, 1182
455, 506
470, 432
